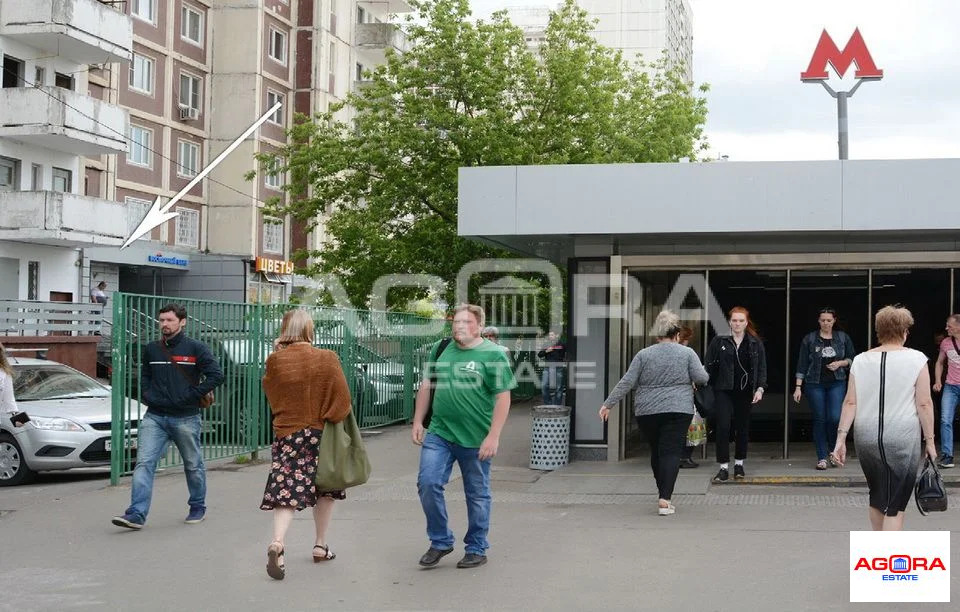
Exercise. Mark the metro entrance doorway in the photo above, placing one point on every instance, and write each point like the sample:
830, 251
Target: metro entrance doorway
784, 304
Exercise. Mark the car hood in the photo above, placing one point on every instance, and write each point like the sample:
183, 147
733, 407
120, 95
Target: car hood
81, 410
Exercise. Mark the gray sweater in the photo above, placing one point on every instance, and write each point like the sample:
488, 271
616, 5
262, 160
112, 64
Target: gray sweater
662, 376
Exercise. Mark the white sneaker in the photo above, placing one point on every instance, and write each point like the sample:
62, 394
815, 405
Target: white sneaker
666, 511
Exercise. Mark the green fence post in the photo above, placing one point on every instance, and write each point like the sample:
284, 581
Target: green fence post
116, 389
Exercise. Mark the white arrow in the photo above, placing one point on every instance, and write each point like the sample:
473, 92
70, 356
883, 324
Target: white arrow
159, 214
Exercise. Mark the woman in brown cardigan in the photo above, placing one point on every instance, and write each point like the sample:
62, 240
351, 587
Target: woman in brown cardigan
305, 387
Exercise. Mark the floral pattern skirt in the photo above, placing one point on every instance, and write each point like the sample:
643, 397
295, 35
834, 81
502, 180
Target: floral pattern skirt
292, 471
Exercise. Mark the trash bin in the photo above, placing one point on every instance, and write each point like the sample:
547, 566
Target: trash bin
550, 437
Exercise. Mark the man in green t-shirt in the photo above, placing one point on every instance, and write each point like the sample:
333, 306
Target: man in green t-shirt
470, 406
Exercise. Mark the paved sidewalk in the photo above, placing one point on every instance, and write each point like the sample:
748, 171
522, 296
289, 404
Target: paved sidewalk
586, 537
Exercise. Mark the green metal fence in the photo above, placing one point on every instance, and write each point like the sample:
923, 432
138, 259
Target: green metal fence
382, 356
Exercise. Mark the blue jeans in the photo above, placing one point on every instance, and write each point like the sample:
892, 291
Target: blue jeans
826, 401
551, 384
154, 433
436, 461
948, 407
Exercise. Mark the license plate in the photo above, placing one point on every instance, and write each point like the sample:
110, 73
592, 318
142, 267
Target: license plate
131, 443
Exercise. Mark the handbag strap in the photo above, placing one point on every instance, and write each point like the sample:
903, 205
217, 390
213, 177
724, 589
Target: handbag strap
433, 372
175, 364
955, 347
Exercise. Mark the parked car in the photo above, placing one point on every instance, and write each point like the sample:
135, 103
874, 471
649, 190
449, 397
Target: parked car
70, 422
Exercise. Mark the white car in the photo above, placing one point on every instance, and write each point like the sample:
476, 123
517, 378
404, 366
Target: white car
69, 427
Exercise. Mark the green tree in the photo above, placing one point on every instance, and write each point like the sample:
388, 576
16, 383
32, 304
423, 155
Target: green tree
469, 94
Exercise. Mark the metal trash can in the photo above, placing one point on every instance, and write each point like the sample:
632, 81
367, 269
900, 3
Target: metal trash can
550, 437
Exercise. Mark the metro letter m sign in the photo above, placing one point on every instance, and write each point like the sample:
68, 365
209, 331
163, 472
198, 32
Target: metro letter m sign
827, 52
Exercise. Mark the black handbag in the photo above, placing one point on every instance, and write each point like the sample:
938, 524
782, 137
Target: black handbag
930, 494
704, 399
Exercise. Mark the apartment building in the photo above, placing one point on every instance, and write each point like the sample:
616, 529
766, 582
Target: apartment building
641, 29
159, 88
309, 55
54, 114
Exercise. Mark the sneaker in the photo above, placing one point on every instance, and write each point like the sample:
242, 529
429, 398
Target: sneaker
666, 511
946, 461
471, 560
738, 472
722, 476
688, 463
130, 521
433, 556
196, 515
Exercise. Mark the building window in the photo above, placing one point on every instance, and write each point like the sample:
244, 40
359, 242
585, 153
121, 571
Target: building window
189, 159
62, 180
272, 98
272, 235
278, 46
36, 177
141, 74
361, 15
12, 71
188, 227
359, 71
33, 280
141, 141
136, 211
145, 10
190, 87
63, 81
39, 76
191, 25
271, 178
332, 68
9, 174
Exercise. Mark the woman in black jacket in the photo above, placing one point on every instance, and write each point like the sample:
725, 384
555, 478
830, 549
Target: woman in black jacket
822, 368
737, 364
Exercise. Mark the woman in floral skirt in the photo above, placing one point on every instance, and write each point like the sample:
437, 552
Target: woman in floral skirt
306, 388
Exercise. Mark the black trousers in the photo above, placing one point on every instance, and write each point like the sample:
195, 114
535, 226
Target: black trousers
736, 404
667, 434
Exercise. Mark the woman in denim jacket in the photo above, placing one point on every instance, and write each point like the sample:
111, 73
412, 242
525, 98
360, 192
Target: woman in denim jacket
825, 358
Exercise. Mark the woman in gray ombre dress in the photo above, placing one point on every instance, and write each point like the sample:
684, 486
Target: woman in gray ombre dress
889, 395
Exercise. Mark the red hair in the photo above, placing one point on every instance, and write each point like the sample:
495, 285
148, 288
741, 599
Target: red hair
750, 328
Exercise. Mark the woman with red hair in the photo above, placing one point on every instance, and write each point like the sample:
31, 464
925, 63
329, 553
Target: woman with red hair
737, 364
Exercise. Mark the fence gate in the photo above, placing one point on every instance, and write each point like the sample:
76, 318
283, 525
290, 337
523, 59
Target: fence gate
382, 356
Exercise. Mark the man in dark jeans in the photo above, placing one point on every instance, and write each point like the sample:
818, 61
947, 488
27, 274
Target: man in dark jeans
177, 372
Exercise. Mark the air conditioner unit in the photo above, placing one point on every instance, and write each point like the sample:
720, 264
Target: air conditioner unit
189, 113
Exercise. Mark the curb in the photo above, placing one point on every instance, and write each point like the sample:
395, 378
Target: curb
816, 481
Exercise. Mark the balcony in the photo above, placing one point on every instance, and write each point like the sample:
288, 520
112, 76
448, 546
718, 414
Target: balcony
81, 31
386, 7
65, 219
379, 37
62, 120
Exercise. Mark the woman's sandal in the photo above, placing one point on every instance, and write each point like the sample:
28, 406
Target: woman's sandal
822, 464
275, 566
326, 555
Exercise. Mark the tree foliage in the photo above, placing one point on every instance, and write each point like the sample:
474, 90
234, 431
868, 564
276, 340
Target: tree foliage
469, 93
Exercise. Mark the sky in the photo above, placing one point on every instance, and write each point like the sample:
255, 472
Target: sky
751, 53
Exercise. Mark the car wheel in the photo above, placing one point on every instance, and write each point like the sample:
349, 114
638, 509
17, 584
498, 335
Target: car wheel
13, 468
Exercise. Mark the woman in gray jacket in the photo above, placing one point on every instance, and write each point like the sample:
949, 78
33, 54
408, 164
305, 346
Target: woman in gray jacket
662, 378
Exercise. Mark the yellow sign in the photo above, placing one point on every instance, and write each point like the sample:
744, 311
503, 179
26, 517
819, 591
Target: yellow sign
277, 266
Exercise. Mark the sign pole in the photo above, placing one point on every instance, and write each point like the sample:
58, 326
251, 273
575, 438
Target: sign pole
842, 131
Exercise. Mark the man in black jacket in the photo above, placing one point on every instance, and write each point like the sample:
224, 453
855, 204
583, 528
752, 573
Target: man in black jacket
177, 372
